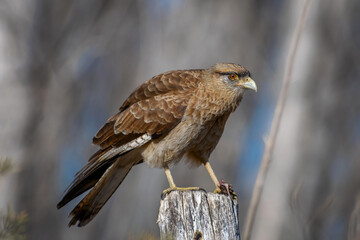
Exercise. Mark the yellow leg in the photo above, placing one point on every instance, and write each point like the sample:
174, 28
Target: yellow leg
169, 177
173, 187
230, 191
212, 174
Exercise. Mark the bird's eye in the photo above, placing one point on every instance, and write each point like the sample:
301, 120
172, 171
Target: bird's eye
232, 76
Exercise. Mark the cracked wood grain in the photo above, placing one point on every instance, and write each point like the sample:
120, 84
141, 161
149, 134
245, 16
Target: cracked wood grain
198, 215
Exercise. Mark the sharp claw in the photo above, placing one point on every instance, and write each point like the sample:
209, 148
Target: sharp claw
226, 189
226, 185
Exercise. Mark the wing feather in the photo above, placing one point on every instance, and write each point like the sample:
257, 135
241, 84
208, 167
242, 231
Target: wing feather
155, 107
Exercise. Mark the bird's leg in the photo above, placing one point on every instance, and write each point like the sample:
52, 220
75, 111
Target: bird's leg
220, 187
213, 177
169, 177
173, 187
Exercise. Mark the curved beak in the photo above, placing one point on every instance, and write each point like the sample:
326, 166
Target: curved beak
248, 84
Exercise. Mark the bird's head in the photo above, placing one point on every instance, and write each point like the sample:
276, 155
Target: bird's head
234, 75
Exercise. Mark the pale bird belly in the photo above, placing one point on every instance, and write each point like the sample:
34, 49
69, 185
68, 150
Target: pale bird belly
171, 148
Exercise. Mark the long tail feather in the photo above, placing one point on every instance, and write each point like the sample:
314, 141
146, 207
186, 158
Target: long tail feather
82, 184
87, 209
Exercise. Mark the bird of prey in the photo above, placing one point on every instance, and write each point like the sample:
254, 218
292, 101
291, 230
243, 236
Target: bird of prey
175, 114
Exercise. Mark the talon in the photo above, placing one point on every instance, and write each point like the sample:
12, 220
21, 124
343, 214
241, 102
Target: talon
226, 185
226, 189
217, 190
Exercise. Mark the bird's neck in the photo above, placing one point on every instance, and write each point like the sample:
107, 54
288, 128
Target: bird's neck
211, 101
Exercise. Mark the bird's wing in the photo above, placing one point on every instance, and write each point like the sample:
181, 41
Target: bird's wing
151, 110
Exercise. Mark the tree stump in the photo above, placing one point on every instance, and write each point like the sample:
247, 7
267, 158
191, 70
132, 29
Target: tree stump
198, 215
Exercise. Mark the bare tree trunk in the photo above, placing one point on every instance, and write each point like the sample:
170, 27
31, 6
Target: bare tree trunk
198, 215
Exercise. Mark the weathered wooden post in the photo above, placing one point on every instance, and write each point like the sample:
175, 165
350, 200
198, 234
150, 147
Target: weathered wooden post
189, 215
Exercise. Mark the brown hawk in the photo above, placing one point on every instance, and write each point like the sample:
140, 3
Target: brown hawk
174, 114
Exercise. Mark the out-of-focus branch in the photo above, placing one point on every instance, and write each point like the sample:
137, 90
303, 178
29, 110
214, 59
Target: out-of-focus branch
270, 142
354, 222
13, 225
5, 165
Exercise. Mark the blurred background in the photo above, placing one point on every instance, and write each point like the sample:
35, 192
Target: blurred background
67, 66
